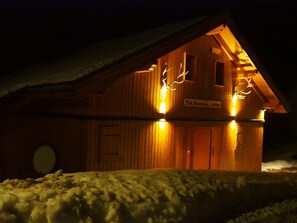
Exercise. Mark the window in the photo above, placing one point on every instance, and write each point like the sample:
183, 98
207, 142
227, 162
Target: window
109, 144
190, 62
219, 73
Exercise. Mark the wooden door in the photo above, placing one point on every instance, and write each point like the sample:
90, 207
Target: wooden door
200, 148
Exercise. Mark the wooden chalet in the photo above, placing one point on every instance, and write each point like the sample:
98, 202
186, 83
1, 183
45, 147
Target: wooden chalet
185, 95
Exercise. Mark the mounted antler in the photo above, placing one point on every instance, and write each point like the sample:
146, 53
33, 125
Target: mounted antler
179, 80
242, 93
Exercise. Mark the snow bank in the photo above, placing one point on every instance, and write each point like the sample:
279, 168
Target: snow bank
139, 196
280, 165
285, 211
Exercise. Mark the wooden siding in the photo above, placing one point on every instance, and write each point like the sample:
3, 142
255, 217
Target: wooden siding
66, 136
248, 153
202, 86
142, 145
250, 107
136, 95
242, 146
58, 106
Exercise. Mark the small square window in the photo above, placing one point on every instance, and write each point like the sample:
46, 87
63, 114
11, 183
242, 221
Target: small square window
190, 61
219, 73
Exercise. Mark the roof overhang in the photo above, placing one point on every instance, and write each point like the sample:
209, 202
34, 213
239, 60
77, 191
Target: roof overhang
248, 66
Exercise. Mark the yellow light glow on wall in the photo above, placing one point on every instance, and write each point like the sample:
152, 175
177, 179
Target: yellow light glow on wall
262, 115
162, 124
233, 111
163, 107
163, 92
234, 99
231, 137
233, 125
233, 105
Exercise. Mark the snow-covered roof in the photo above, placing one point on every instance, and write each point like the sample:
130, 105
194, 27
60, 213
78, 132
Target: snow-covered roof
90, 59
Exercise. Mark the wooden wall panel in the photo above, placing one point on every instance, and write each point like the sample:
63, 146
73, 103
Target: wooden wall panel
58, 106
227, 154
180, 146
242, 146
250, 107
143, 145
249, 152
202, 86
66, 136
136, 94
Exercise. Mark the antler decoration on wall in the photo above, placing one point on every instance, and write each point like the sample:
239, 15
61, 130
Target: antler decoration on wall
179, 80
165, 87
241, 94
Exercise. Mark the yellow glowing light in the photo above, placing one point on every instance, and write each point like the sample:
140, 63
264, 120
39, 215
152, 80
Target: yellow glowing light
233, 107
234, 99
233, 111
163, 92
233, 125
162, 108
262, 114
162, 123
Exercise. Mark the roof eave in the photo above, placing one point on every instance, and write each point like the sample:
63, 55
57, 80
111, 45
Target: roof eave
283, 106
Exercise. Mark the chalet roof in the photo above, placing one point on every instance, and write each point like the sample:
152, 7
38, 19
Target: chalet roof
107, 61
89, 60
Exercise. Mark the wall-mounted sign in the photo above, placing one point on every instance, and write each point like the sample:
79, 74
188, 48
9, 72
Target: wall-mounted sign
197, 103
216, 51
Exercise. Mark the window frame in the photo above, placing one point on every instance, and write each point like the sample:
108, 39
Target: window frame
193, 74
221, 82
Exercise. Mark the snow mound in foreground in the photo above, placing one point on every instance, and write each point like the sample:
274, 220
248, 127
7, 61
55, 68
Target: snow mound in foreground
285, 211
139, 196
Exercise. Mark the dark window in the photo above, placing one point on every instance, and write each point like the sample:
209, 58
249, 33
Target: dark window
219, 73
190, 66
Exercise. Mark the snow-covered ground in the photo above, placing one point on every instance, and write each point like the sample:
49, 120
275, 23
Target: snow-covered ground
152, 196
280, 166
282, 159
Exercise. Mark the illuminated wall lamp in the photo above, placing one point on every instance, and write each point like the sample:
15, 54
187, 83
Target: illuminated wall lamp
162, 109
262, 114
233, 112
162, 123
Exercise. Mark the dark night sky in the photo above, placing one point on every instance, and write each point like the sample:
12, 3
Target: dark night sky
35, 31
